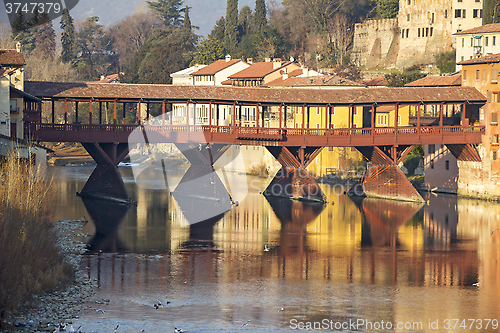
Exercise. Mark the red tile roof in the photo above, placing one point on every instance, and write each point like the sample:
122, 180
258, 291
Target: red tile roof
204, 94
437, 81
378, 81
11, 57
492, 27
491, 58
216, 67
110, 78
314, 81
258, 70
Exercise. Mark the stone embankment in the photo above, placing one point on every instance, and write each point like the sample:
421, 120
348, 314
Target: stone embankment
54, 312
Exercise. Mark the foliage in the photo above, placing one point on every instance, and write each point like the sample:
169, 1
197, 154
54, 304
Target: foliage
170, 11
491, 11
218, 30
30, 261
166, 51
388, 8
446, 61
350, 72
209, 50
410, 74
260, 19
68, 52
231, 26
94, 50
245, 21
40, 68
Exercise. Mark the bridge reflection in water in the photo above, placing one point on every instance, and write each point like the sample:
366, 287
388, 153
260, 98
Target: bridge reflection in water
373, 258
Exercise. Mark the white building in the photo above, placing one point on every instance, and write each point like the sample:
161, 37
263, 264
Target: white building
477, 42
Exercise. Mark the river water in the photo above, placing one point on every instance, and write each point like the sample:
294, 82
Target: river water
278, 265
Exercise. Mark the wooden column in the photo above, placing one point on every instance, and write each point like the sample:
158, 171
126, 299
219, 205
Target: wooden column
187, 113
194, 113
163, 113
90, 112
281, 116
285, 125
139, 113
233, 114
76, 112
303, 117
418, 119
65, 111
53, 112
124, 111
147, 111
100, 112
210, 113
441, 115
374, 110
257, 114
349, 112
217, 114
327, 112
114, 113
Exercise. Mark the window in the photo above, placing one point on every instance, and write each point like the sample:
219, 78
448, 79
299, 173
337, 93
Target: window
472, 42
485, 41
462, 59
447, 165
432, 164
408, 17
403, 33
494, 41
446, 13
458, 13
431, 149
463, 42
494, 117
418, 32
464, 73
494, 75
480, 13
475, 13
494, 156
409, 2
407, 32
426, 32
430, 32
13, 105
494, 139
432, 18
495, 97
463, 13
477, 75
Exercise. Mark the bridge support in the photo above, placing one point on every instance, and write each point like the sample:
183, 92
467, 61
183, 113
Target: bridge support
384, 179
293, 181
106, 182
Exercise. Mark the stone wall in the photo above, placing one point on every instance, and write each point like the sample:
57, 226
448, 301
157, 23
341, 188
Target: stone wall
375, 43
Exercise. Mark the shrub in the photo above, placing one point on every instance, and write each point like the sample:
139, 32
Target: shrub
30, 261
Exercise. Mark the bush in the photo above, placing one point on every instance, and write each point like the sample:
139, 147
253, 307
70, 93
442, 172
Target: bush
30, 261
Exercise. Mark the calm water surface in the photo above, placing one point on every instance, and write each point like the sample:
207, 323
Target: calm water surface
343, 266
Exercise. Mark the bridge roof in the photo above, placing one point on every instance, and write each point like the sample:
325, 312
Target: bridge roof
171, 93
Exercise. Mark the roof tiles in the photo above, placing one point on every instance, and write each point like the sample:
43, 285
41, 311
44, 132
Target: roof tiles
11, 57
492, 27
216, 67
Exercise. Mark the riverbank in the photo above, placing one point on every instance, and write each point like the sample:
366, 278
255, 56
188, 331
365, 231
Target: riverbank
54, 312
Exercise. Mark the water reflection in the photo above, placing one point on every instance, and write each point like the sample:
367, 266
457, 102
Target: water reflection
374, 259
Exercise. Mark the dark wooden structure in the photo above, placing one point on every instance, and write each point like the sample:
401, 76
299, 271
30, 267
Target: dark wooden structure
294, 148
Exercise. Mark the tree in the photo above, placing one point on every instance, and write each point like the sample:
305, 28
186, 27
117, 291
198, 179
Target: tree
94, 50
41, 68
166, 51
68, 52
169, 11
491, 11
218, 30
130, 34
446, 61
260, 19
231, 26
388, 8
408, 75
245, 21
210, 50
46, 39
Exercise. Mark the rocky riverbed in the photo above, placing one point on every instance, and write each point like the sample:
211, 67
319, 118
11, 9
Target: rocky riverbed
54, 312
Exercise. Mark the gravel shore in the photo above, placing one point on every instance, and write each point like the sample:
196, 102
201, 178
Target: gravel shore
54, 312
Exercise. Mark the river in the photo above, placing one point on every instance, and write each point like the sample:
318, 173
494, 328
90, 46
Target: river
271, 265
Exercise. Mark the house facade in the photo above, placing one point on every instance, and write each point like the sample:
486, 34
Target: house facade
477, 42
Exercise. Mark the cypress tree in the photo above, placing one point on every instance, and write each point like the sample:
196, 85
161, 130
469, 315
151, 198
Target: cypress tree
169, 11
46, 38
231, 26
260, 20
67, 37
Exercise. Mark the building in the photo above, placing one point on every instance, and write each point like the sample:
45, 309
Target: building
185, 77
477, 42
261, 73
423, 29
218, 71
482, 179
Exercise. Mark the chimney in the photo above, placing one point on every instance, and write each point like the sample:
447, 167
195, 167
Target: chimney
276, 63
250, 61
285, 76
305, 71
196, 67
228, 58
18, 47
102, 77
267, 59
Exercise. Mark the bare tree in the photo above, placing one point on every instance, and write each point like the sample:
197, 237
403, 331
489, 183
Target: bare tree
340, 37
41, 68
130, 34
6, 41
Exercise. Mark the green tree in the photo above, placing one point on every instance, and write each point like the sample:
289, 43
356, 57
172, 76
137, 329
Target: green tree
260, 19
166, 51
388, 8
245, 21
24, 31
170, 11
218, 30
209, 50
408, 75
67, 37
231, 26
446, 61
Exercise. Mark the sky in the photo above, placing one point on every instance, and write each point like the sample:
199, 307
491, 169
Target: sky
204, 13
